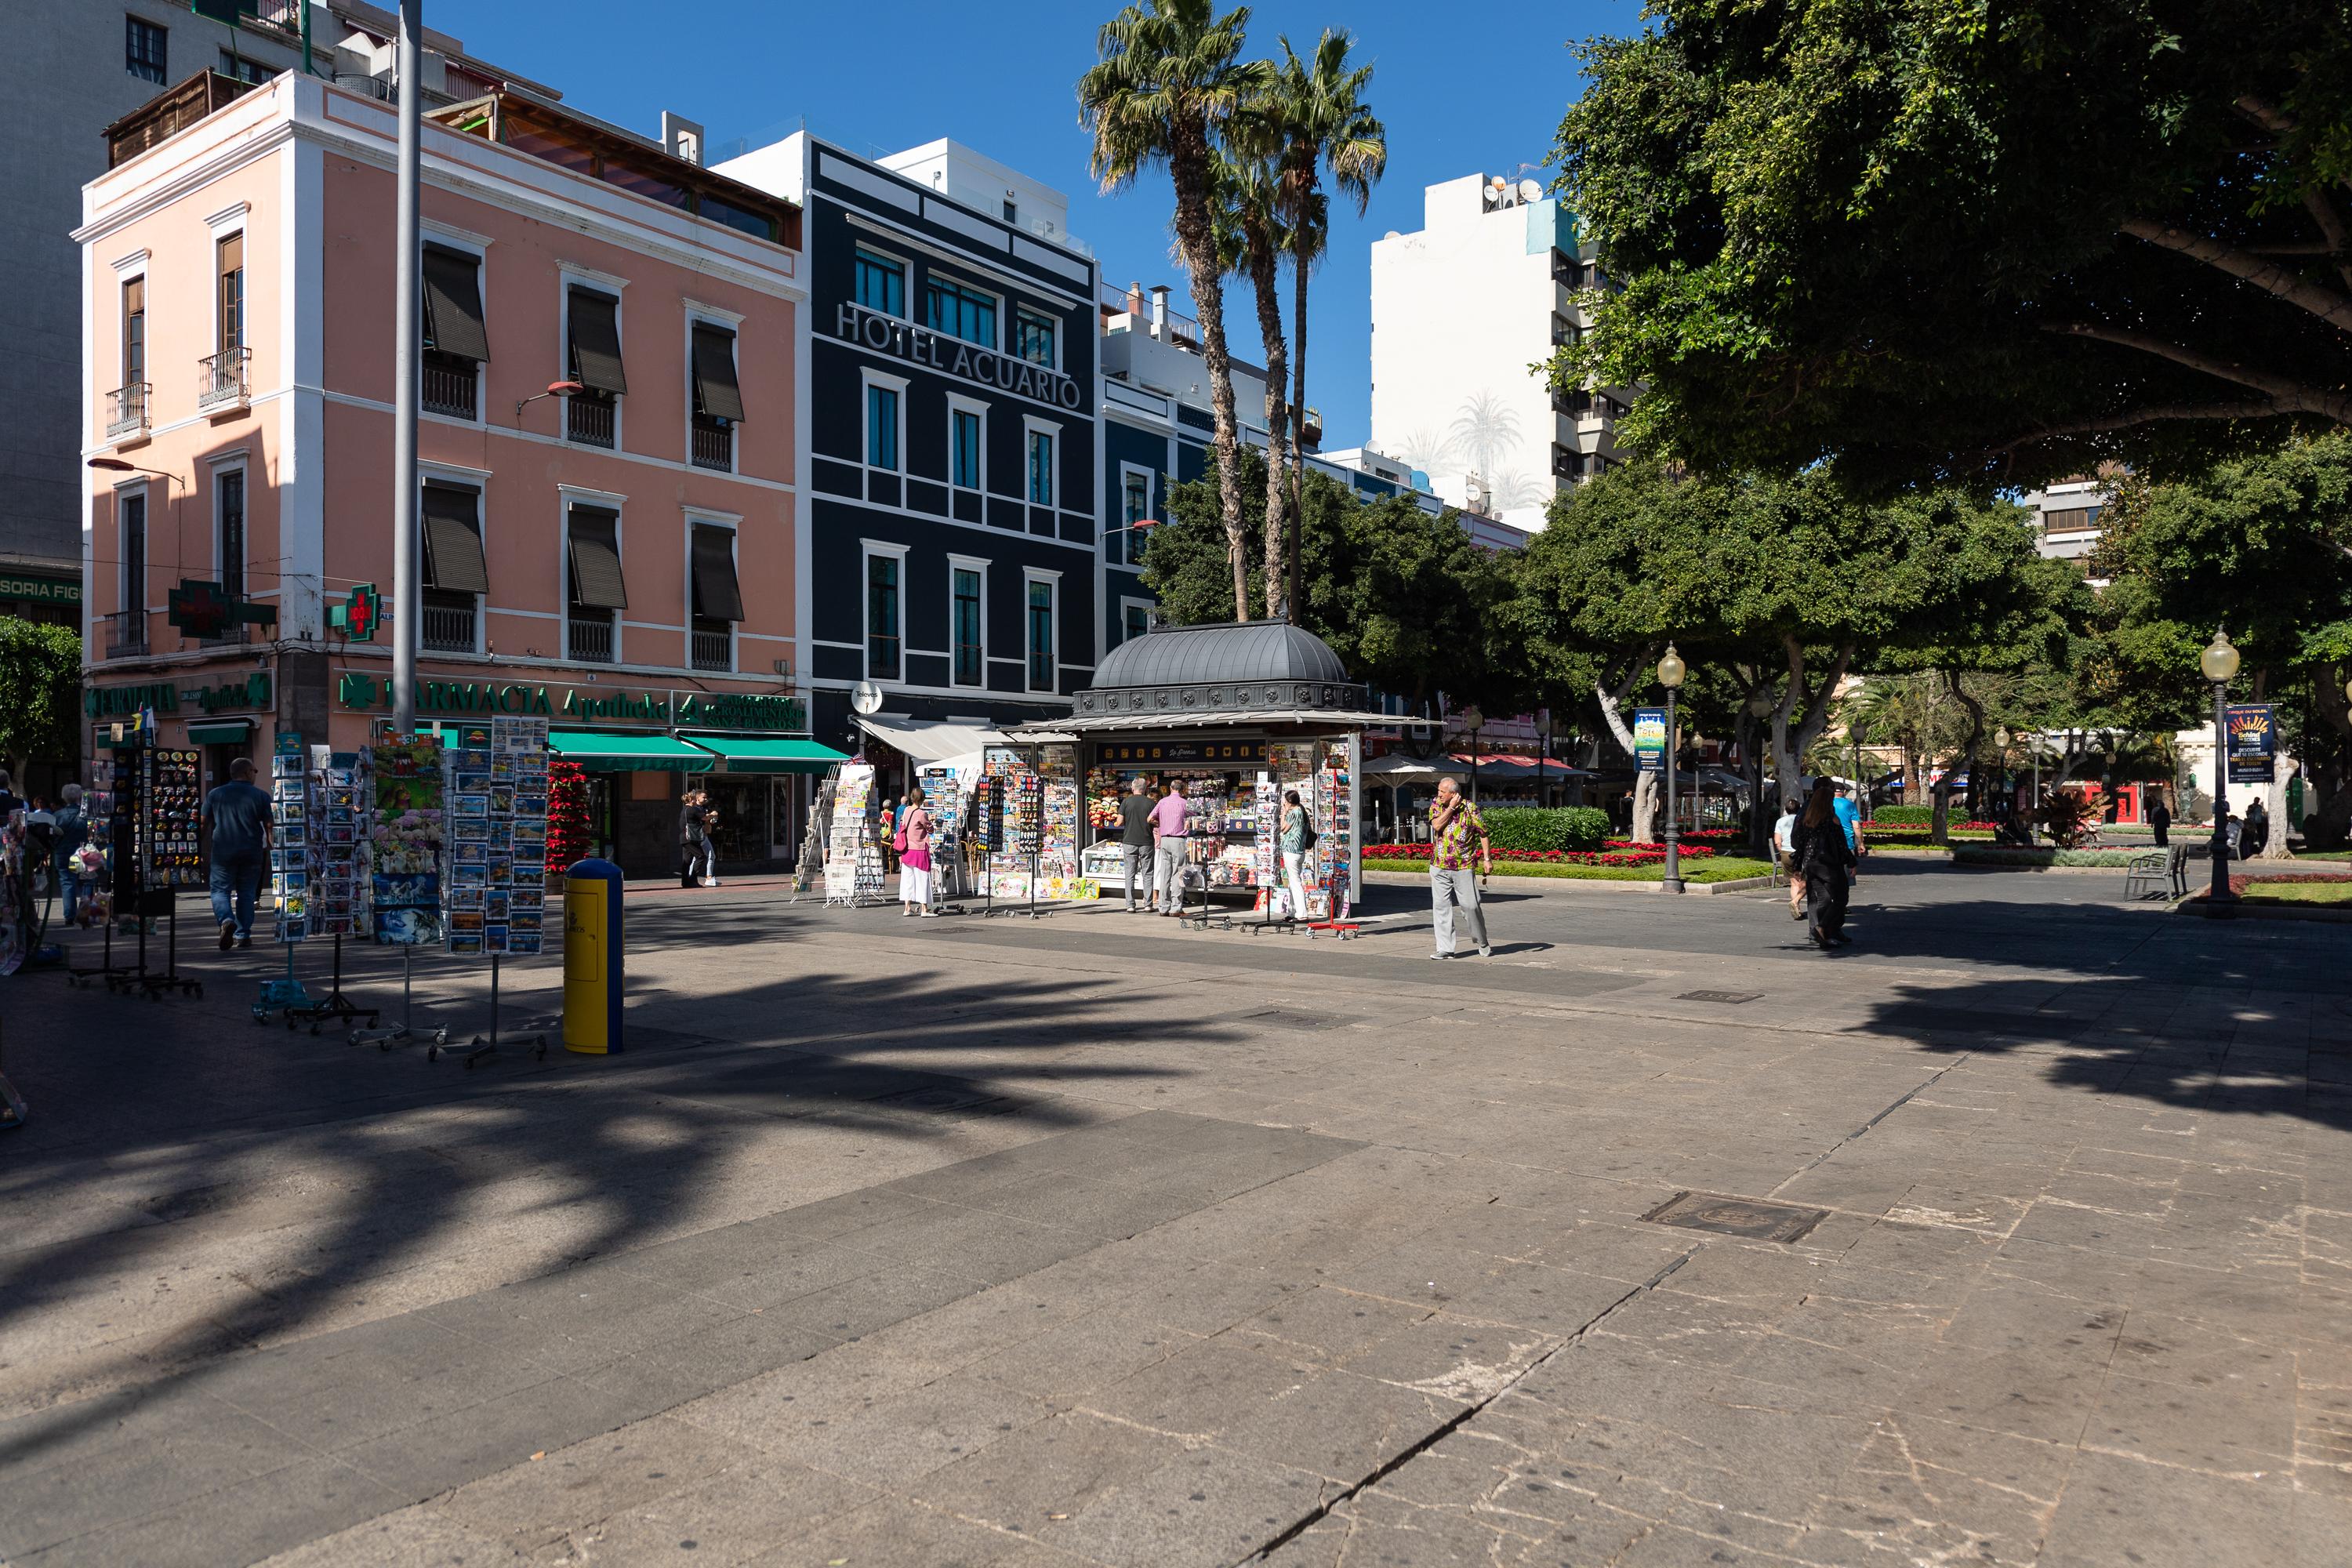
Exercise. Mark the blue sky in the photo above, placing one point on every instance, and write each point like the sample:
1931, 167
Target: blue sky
1462, 88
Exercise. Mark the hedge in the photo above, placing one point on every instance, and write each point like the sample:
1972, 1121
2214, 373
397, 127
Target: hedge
2005, 855
1571, 827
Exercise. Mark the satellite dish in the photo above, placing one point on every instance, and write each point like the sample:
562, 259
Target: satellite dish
1530, 191
866, 697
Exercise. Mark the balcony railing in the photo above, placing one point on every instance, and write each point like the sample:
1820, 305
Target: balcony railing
714, 444
448, 385
126, 634
714, 644
228, 636
588, 420
126, 410
588, 636
449, 627
221, 381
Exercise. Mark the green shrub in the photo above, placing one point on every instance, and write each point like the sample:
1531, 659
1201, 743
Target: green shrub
1572, 827
1905, 815
2041, 855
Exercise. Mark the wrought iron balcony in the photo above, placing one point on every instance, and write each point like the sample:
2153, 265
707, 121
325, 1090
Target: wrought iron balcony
714, 444
588, 635
588, 418
714, 644
222, 381
447, 385
126, 634
448, 626
126, 410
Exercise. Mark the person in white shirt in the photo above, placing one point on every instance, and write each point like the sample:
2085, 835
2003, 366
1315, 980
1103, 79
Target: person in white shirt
1784, 848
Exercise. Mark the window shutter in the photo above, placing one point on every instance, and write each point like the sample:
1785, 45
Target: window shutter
596, 558
596, 343
453, 540
716, 593
715, 390
452, 304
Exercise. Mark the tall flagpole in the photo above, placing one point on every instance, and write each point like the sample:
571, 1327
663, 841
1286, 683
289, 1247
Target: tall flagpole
407, 598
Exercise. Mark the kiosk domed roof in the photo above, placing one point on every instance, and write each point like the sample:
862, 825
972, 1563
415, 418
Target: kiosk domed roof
1231, 671
1240, 651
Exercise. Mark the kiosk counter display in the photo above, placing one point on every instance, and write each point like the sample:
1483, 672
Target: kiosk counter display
1039, 859
171, 816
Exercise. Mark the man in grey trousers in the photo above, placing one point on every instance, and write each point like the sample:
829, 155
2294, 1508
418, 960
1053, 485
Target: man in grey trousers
1135, 841
1171, 834
1455, 827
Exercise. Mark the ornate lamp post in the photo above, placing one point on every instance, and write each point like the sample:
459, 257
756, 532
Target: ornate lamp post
1543, 743
1671, 671
2218, 663
1760, 707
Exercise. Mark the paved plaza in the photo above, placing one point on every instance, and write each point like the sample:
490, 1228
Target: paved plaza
898, 1243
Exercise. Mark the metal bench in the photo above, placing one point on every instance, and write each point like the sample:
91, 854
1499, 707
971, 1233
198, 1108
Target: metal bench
2159, 873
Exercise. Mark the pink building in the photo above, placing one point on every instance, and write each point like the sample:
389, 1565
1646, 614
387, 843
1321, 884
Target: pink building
625, 559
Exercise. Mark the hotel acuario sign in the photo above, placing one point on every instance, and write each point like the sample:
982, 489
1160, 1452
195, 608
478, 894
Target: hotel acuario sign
950, 355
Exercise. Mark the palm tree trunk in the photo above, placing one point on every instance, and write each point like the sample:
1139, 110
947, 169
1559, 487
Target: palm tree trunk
1278, 431
1189, 171
1298, 400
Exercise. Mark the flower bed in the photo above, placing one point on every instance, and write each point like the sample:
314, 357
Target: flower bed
2315, 888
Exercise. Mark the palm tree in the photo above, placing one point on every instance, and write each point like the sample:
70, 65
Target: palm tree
1170, 79
1250, 236
1327, 122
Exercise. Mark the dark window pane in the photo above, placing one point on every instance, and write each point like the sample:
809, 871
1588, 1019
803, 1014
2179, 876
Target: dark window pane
882, 617
881, 284
143, 45
232, 532
969, 657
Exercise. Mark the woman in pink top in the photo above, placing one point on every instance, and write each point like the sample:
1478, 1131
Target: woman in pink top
914, 847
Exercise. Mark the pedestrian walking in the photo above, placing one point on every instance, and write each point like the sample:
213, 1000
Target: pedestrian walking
2159, 818
1826, 855
1454, 825
696, 862
72, 833
236, 813
1784, 844
1297, 838
913, 843
2257, 829
1849, 816
1135, 840
1171, 839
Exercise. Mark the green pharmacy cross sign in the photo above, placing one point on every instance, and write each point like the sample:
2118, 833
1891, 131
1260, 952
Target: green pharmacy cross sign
358, 620
205, 610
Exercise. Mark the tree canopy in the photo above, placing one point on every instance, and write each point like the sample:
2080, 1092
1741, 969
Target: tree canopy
40, 669
1965, 242
1404, 597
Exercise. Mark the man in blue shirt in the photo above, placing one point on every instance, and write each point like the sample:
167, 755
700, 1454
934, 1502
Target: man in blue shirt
1849, 818
237, 814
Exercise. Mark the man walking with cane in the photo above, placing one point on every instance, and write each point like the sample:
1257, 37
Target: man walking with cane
1454, 825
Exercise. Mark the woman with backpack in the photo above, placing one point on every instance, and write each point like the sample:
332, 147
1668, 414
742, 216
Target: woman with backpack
1297, 838
913, 843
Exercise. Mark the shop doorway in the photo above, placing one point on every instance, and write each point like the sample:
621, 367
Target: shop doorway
741, 839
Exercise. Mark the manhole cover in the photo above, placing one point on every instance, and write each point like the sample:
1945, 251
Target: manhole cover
1737, 1216
1729, 997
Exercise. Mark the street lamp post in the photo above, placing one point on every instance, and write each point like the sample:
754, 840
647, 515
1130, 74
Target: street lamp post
1760, 705
1474, 721
1543, 751
2220, 662
1671, 671
407, 591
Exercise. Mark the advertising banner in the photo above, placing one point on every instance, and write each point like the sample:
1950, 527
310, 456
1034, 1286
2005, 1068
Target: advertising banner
2253, 742
1650, 740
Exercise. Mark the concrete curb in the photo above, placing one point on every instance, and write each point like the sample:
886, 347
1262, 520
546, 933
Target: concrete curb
2319, 913
1595, 884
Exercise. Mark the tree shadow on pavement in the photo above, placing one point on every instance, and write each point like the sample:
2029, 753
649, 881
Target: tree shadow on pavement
634, 1142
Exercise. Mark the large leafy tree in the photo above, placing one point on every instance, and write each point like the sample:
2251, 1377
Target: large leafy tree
40, 673
1967, 241
1407, 600
2262, 546
1786, 586
1169, 80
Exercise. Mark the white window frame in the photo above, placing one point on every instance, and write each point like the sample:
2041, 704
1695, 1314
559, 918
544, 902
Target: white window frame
924, 321
1032, 426
868, 379
1128, 602
732, 320
566, 496
235, 462
567, 278
473, 245
1060, 330
968, 563
959, 404
1030, 577
869, 549
906, 282
478, 481
144, 489
1127, 471
733, 524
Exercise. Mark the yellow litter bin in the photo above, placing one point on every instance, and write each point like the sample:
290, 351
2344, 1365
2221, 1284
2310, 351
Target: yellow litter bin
592, 958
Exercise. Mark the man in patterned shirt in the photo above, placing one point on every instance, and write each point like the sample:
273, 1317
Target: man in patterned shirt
1454, 825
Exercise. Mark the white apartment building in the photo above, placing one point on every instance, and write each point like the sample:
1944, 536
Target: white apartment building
2068, 514
1467, 312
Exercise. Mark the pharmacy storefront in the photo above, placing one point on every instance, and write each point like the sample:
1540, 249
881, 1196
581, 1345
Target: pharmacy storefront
642, 748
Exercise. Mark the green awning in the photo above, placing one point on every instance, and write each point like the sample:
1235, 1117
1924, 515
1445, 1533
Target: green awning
218, 731
620, 752
749, 754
